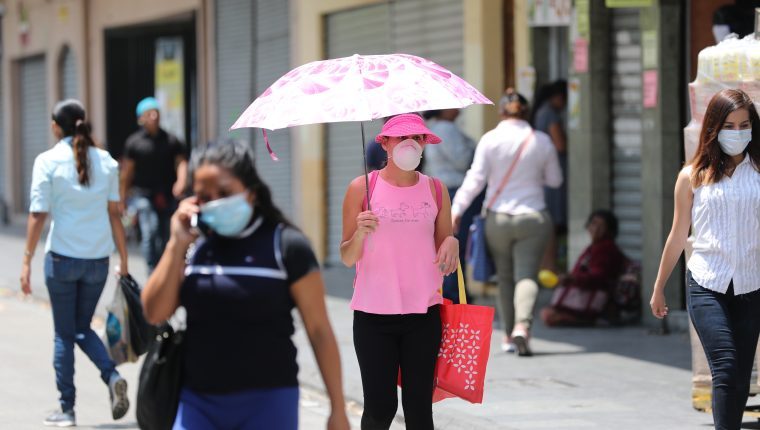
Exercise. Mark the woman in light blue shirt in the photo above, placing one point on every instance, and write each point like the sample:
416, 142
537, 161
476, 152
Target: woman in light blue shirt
78, 185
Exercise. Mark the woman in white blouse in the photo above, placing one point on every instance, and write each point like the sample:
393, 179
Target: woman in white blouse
718, 194
518, 225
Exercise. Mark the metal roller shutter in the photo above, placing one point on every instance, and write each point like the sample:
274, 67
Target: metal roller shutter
34, 119
272, 61
356, 31
627, 128
431, 29
68, 75
234, 59
4, 199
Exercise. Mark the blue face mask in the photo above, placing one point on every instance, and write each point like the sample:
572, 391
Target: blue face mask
228, 216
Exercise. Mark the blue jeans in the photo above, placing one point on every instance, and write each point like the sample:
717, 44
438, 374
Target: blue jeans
154, 230
450, 285
75, 285
728, 327
266, 408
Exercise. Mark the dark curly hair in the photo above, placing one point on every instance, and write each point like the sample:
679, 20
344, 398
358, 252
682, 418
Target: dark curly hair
609, 218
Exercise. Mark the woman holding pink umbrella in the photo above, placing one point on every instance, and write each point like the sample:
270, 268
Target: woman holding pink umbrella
402, 247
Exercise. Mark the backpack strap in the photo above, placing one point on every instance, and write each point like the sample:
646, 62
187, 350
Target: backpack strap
372, 181
438, 192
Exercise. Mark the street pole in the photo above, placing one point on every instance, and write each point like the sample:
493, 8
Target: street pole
757, 23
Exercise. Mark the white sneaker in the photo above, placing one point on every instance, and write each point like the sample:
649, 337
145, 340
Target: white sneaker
61, 419
508, 348
117, 387
507, 345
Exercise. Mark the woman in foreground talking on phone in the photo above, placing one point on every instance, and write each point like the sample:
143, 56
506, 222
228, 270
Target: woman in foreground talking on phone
239, 267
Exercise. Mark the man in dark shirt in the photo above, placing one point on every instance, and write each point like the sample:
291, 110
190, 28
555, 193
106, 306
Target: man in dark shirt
154, 176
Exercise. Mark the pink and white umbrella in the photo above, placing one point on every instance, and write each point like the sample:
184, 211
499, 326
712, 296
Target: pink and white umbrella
357, 88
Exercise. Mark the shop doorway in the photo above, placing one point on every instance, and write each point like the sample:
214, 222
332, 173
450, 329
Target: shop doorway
131, 57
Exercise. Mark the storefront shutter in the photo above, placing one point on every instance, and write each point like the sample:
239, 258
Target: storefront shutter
234, 59
35, 119
627, 128
272, 60
431, 29
356, 31
68, 75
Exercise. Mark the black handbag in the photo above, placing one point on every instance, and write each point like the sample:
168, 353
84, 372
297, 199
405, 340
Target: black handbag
161, 380
140, 332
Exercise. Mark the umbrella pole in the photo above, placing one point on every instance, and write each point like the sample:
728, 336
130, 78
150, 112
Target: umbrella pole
366, 173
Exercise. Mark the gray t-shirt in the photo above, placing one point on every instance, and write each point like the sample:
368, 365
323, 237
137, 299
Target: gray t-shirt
545, 117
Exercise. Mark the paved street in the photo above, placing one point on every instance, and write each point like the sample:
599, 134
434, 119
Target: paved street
580, 378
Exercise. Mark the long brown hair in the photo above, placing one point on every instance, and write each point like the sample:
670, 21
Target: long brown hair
710, 163
70, 116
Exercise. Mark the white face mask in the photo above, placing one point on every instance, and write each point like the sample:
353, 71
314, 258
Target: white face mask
407, 155
733, 142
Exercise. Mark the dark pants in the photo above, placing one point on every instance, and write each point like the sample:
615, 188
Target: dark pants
385, 343
154, 229
728, 327
74, 286
450, 286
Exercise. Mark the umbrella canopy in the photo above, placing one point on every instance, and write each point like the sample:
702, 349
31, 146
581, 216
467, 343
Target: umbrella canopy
358, 88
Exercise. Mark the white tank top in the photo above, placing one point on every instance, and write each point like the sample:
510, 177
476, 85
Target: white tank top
726, 227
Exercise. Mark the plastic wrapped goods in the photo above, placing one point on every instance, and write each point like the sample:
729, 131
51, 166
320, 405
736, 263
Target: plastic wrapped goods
691, 139
733, 63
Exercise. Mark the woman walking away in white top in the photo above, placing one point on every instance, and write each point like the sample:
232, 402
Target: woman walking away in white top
719, 195
518, 225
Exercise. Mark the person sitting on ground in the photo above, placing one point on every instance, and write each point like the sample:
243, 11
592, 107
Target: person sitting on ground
597, 269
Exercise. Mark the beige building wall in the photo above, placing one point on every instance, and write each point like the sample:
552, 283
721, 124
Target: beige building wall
32, 28
80, 25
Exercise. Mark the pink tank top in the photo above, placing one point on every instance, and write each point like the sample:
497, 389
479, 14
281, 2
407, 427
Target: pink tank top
397, 273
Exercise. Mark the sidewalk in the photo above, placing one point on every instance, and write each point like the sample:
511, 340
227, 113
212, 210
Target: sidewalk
599, 378
26, 332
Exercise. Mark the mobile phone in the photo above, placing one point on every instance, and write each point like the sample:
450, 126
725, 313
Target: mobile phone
197, 223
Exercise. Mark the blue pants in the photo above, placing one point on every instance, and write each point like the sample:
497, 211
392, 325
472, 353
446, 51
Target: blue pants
262, 409
154, 230
74, 286
728, 327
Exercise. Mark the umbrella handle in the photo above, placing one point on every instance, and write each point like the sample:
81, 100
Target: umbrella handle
366, 172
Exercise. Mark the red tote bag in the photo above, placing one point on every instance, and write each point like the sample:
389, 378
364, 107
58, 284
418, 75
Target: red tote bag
460, 369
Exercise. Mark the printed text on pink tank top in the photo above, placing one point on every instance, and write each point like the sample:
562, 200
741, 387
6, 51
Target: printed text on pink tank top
405, 212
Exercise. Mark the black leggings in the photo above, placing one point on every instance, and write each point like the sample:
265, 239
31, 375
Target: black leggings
385, 343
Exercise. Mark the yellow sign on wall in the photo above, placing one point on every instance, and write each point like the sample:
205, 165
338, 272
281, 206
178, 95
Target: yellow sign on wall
628, 3
170, 84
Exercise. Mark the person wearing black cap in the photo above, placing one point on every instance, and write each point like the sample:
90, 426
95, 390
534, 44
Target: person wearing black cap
154, 176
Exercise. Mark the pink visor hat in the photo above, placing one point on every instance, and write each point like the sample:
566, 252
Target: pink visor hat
407, 124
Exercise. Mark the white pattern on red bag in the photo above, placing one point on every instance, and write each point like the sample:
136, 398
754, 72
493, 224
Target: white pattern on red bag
459, 347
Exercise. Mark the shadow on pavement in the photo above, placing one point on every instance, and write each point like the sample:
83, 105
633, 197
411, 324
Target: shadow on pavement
125, 425
636, 342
